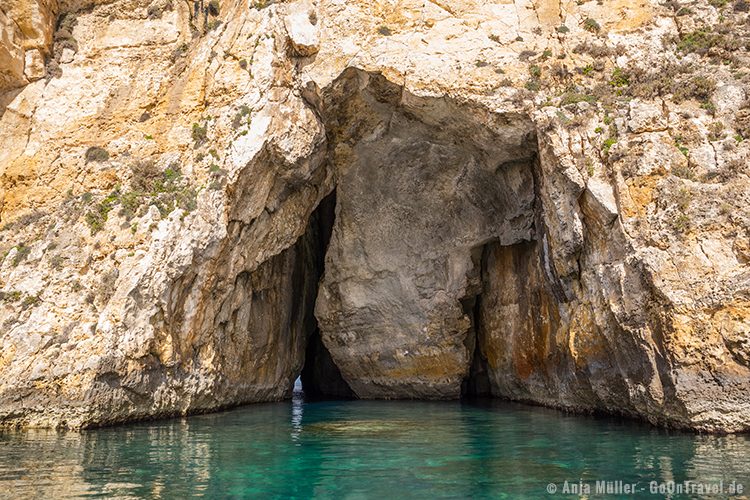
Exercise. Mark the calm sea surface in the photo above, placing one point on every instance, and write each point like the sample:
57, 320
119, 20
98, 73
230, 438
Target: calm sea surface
365, 449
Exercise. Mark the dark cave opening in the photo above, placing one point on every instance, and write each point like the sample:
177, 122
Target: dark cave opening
425, 188
487, 281
477, 382
320, 377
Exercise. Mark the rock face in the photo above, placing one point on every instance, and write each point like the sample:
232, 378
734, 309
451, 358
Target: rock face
26, 28
541, 201
422, 184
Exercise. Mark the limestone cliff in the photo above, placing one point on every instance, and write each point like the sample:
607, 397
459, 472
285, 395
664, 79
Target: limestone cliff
538, 200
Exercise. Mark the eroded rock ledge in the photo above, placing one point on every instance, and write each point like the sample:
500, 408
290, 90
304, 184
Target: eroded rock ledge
403, 209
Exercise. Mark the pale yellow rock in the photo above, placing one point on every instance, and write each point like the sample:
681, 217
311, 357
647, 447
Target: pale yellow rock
34, 65
646, 117
35, 20
11, 54
301, 24
602, 199
26, 28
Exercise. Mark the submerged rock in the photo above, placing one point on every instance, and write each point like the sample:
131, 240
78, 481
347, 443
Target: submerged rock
538, 201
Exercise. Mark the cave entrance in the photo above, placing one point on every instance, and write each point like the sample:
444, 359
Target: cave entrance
320, 378
423, 184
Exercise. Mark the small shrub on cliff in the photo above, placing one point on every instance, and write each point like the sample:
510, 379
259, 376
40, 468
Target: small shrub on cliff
654, 84
385, 30
574, 97
742, 122
674, 79
199, 134
697, 87
698, 41
680, 223
721, 40
213, 7
619, 78
179, 51
533, 84
12, 296
130, 202
683, 149
598, 50
242, 117
166, 190
95, 153
144, 174
715, 131
559, 71
97, 216
218, 177
172, 173
684, 198
683, 171
30, 301
591, 25
57, 262
154, 12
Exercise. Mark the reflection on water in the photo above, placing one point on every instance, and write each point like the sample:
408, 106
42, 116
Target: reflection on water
361, 449
298, 400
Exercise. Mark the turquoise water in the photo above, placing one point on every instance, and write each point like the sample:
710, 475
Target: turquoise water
363, 449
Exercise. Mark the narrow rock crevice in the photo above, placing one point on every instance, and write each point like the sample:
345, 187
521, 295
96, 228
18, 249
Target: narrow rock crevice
477, 382
320, 376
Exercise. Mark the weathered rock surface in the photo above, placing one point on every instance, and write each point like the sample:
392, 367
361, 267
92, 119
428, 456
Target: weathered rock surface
422, 184
540, 200
26, 28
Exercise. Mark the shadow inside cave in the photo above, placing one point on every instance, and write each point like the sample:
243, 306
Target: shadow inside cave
320, 378
431, 197
425, 189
